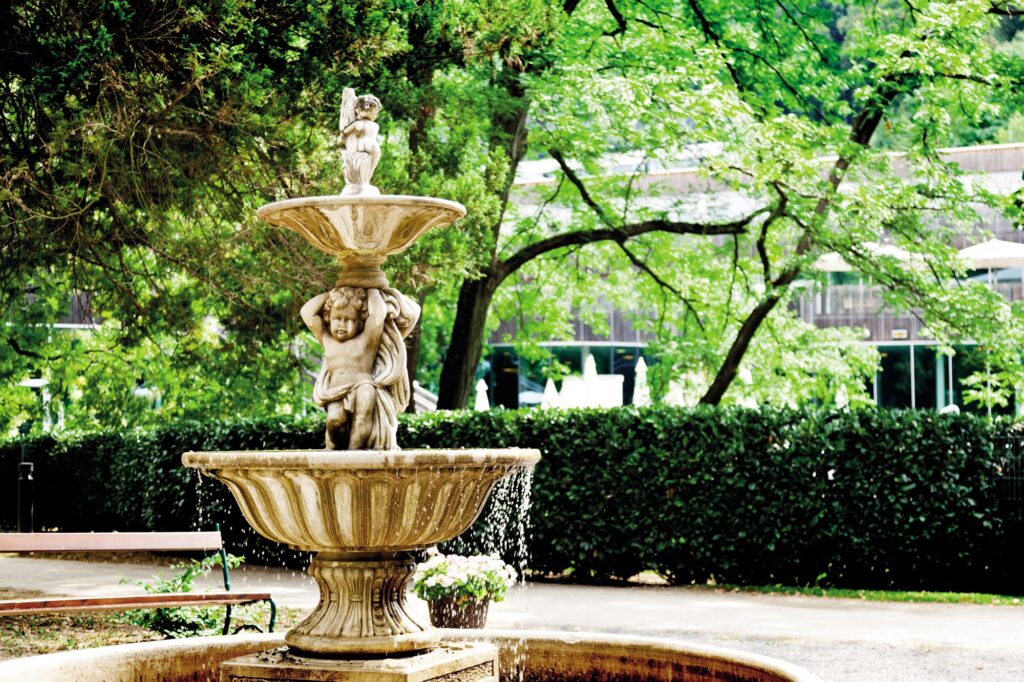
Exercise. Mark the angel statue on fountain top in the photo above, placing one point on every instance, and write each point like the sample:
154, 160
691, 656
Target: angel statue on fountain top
359, 135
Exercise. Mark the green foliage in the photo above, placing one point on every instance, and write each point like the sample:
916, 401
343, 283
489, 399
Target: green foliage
790, 363
894, 499
96, 380
989, 389
187, 621
861, 499
789, 119
136, 145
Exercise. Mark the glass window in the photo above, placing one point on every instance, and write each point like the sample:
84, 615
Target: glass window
894, 379
569, 356
928, 376
505, 381
532, 377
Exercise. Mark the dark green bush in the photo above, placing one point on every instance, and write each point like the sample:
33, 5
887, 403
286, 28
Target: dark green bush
898, 499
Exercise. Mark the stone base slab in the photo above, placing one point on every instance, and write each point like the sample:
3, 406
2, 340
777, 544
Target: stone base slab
451, 662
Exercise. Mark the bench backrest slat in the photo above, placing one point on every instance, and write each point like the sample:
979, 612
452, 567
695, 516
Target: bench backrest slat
106, 542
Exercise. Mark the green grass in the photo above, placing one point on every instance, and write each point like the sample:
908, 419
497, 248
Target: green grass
652, 578
880, 595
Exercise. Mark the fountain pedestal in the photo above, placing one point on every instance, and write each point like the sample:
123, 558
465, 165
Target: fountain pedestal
362, 607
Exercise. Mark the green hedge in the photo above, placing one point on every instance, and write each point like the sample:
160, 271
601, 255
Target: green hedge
134, 480
891, 499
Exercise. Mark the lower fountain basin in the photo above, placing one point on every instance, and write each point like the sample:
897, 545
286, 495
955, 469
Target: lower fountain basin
362, 512
527, 656
345, 502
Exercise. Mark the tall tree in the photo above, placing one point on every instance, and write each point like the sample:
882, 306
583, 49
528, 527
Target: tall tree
782, 101
137, 141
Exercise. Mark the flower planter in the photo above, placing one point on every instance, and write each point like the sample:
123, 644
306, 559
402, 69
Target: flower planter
450, 612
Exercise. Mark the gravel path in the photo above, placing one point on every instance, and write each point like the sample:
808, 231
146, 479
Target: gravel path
840, 640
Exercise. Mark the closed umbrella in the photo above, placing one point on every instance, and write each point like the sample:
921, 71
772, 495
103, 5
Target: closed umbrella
550, 398
641, 392
481, 404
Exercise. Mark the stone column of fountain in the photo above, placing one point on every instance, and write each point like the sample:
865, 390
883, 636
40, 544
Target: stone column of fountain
362, 505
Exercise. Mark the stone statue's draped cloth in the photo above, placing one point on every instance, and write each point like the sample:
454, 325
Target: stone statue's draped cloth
390, 379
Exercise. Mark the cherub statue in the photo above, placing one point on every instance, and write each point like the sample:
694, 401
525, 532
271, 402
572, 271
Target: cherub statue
359, 134
363, 383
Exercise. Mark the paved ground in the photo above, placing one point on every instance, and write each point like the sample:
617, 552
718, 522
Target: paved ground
838, 639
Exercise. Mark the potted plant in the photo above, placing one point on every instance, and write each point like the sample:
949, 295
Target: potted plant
458, 589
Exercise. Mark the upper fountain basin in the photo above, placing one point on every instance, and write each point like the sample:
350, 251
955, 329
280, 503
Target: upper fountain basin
362, 225
359, 501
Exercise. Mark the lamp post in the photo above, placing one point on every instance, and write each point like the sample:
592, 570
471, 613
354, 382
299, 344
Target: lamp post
26, 479
26, 469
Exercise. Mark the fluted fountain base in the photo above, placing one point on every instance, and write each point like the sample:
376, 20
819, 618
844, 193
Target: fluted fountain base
362, 607
454, 662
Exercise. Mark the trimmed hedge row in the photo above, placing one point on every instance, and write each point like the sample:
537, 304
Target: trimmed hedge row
890, 499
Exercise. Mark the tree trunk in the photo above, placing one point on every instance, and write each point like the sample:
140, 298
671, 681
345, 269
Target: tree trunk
731, 365
861, 131
508, 132
466, 343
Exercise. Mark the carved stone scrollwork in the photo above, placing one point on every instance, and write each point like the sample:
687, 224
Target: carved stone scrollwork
362, 608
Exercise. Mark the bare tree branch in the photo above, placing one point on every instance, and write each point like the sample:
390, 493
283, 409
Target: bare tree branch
711, 35
1006, 8
803, 31
619, 19
661, 282
978, 79
580, 187
619, 235
30, 353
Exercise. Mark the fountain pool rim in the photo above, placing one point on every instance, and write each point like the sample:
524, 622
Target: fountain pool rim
541, 652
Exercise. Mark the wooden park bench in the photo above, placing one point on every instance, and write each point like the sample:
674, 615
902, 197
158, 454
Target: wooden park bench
128, 542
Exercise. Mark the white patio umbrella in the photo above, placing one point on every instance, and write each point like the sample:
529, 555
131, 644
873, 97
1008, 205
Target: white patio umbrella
641, 391
993, 255
833, 262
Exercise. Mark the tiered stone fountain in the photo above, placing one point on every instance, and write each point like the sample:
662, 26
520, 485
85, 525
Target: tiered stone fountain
362, 505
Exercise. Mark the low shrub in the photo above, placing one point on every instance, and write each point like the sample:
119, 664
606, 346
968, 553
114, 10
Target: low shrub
867, 499
187, 621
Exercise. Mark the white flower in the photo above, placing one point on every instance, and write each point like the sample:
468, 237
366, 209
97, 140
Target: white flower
460, 575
